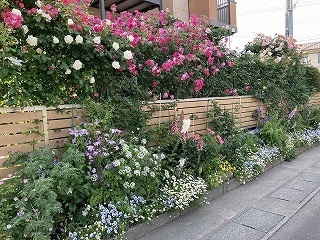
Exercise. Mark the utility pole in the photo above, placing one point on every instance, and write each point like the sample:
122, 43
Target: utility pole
289, 18
102, 9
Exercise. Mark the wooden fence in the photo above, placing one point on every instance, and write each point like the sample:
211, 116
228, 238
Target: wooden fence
197, 108
33, 127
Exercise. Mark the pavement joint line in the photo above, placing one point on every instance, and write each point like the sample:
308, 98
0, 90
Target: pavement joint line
287, 218
282, 222
283, 184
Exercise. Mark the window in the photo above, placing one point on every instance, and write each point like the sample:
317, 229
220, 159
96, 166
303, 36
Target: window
304, 60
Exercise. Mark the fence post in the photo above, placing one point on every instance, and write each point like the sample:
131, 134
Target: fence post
45, 126
160, 112
240, 111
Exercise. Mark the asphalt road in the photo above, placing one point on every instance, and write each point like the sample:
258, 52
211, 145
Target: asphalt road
304, 225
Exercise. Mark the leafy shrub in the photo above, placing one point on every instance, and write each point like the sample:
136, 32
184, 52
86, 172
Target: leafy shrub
222, 121
312, 76
273, 133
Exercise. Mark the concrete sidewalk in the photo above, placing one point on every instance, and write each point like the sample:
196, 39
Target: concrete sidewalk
255, 210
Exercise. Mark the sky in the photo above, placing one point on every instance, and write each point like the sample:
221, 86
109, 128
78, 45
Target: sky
268, 17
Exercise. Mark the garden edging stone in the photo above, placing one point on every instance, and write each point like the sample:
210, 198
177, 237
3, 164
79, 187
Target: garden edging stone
228, 184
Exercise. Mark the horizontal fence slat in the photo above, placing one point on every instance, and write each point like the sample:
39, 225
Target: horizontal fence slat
26, 147
63, 123
19, 138
58, 143
67, 113
60, 133
19, 127
6, 171
20, 117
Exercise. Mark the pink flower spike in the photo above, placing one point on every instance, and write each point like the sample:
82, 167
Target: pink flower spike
220, 140
292, 113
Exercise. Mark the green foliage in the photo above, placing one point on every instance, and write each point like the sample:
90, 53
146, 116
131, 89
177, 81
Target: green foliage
236, 141
223, 121
311, 116
101, 112
312, 76
272, 69
127, 114
45, 184
273, 133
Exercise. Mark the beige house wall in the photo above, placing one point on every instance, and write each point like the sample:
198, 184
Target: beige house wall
167, 5
313, 59
181, 9
204, 8
94, 11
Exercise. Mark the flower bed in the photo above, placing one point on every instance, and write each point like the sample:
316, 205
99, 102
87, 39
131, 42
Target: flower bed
107, 180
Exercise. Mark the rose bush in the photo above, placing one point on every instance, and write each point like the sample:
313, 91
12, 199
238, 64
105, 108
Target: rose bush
56, 48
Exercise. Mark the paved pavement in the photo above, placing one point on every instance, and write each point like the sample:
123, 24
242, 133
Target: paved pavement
285, 199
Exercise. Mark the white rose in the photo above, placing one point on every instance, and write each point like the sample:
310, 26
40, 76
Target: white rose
39, 11
55, 40
92, 80
16, 11
68, 71
115, 46
70, 21
77, 65
68, 39
127, 55
46, 16
38, 3
79, 39
32, 41
130, 38
25, 29
39, 50
115, 65
97, 40
182, 162
15, 61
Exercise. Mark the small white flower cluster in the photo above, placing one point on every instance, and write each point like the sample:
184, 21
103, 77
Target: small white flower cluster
307, 137
128, 185
141, 152
290, 143
179, 193
253, 163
